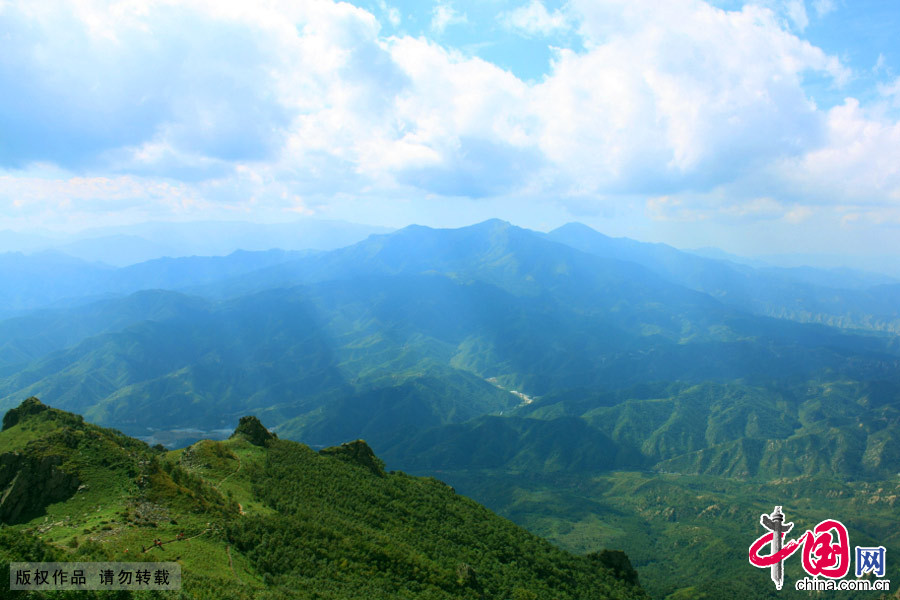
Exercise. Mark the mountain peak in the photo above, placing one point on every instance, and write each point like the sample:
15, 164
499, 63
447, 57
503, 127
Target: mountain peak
493, 223
254, 431
358, 452
29, 406
574, 228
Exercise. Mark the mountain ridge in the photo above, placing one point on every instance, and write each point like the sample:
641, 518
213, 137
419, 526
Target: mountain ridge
276, 521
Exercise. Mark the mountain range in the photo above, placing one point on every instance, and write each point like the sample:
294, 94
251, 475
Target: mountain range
124, 245
513, 364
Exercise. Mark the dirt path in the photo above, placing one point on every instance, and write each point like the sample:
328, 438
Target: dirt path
184, 539
240, 465
231, 564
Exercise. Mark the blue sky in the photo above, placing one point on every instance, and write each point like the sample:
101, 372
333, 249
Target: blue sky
757, 127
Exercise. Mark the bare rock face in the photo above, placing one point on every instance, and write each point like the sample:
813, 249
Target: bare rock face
252, 429
29, 483
357, 452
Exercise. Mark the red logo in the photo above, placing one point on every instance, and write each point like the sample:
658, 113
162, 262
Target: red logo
826, 548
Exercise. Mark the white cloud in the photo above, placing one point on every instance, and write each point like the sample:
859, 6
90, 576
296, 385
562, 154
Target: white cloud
283, 106
463, 126
444, 15
823, 7
392, 14
677, 95
29, 198
533, 18
891, 92
796, 11
716, 208
859, 163
792, 13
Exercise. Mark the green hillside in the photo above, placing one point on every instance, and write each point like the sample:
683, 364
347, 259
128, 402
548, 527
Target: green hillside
688, 535
417, 329
608, 395
844, 429
678, 474
258, 517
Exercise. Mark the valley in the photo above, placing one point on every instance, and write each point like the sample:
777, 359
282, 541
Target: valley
603, 394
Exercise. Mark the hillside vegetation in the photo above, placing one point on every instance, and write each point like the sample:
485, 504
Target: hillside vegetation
601, 392
258, 517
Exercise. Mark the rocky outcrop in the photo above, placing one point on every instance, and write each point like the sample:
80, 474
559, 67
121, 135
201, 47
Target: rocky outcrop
357, 452
29, 483
30, 406
254, 431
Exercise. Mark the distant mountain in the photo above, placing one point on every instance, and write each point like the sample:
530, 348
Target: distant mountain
719, 254
36, 280
885, 264
130, 244
255, 516
53, 279
841, 429
396, 335
14, 241
843, 298
118, 250
592, 389
38, 333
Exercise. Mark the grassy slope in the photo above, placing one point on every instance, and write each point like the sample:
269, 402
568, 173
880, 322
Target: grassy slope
282, 522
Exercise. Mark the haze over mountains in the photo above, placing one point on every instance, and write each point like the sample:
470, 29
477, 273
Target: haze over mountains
129, 244
419, 328
491, 349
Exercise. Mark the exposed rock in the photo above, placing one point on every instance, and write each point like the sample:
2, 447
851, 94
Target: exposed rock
357, 452
253, 431
30, 406
29, 483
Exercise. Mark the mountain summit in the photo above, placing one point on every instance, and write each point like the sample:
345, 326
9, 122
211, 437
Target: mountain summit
254, 431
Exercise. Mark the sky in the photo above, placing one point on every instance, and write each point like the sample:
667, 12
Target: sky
766, 126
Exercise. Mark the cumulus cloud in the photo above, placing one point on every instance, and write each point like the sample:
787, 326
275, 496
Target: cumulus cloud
714, 208
792, 13
796, 11
681, 95
891, 92
60, 200
534, 19
287, 104
391, 12
444, 15
823, 7
85, 79
858, 164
